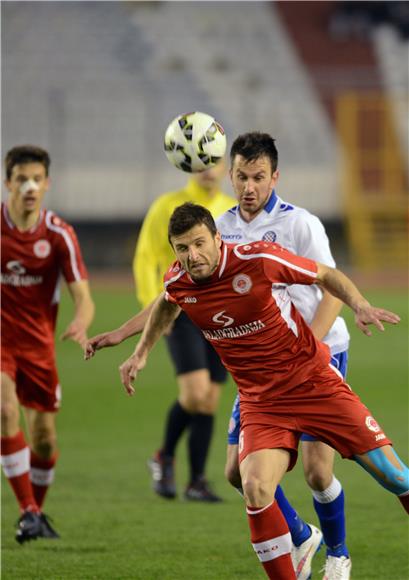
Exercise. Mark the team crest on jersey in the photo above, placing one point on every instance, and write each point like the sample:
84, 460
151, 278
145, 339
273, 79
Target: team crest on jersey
372, 424
269, 236
242, 283
42, 248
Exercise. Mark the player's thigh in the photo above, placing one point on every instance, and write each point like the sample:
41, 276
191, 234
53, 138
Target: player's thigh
261, 472
43, 432
264, 468
10, 411
318, 463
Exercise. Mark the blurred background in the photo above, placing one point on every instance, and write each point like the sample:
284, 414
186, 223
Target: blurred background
96, 83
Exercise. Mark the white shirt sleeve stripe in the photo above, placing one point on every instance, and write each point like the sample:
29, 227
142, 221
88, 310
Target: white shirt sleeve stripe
276, 259
178, 275
70, 245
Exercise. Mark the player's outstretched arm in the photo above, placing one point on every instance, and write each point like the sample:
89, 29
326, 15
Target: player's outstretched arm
130, 328
343, 288
162, 315
84, 312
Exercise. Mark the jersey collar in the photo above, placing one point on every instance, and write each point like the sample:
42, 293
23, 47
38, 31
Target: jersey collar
269, 211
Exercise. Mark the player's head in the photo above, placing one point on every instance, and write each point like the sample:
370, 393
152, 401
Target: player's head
27, 168
210, 179
195, 240
253, 171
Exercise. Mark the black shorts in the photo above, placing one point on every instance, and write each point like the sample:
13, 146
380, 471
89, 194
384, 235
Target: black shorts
190, 351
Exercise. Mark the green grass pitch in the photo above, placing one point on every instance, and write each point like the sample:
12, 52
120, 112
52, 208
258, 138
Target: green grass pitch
113, 527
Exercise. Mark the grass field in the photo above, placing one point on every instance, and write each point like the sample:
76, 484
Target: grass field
113, 527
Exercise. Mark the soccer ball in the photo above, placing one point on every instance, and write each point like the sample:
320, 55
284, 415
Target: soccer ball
194, 142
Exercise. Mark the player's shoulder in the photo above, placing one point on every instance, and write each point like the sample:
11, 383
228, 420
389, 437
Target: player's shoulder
56, 224
296, 212
253, 250
173, 274
299, 218
228, 216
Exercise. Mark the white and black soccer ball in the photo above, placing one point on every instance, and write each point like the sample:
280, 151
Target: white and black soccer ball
194, 142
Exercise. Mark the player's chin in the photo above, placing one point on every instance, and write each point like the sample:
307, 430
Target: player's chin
199, 274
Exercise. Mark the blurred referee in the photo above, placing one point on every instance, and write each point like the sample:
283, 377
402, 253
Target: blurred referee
198, 367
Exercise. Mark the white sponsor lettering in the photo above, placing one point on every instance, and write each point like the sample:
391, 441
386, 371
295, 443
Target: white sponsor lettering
16, 280
234, 331
380, 436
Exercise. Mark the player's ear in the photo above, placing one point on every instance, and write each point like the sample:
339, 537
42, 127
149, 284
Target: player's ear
218, 239
276, 175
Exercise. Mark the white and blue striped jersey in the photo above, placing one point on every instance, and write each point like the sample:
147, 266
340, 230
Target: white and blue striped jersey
297, 230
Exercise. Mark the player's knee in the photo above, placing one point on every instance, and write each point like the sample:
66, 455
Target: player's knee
318, 477
44, 444
257, 492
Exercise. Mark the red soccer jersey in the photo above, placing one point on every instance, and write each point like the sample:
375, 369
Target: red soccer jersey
31, 266
245, 311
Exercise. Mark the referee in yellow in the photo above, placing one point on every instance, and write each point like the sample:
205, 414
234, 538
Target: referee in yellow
198, 367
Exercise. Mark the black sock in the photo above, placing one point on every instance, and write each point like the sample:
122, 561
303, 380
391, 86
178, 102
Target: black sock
201, 430
177, 421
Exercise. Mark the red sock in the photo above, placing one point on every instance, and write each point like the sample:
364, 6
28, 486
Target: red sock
15, 459
271, 541
41, 475
404, 499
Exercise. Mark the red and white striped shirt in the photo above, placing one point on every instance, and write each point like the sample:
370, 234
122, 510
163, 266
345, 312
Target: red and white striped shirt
32, 263
245, 311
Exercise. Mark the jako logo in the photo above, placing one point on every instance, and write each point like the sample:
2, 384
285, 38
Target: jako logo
222, 318
190, 300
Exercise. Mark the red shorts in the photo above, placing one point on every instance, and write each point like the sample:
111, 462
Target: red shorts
324, 407
36, 378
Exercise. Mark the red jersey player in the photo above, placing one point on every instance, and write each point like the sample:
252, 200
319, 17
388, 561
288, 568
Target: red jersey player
237, 296
37, 248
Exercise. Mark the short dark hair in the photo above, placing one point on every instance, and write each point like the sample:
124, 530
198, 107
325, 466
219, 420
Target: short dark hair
187, 216
254, 145
26, 154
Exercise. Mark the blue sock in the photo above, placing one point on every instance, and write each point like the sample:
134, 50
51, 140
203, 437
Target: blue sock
332, 521
299, 530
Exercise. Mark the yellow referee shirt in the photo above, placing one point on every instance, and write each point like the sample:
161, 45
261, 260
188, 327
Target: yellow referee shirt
153, 254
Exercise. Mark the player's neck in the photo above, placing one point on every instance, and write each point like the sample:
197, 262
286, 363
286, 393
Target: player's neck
249, 216
22, 219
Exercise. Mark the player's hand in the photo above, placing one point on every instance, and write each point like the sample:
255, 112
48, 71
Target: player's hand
101, 341
368, 314
128, 371
75, 331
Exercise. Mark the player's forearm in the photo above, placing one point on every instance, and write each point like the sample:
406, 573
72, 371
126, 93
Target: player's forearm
325, 315
340, 286
84, 310
163, 313
136, 324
